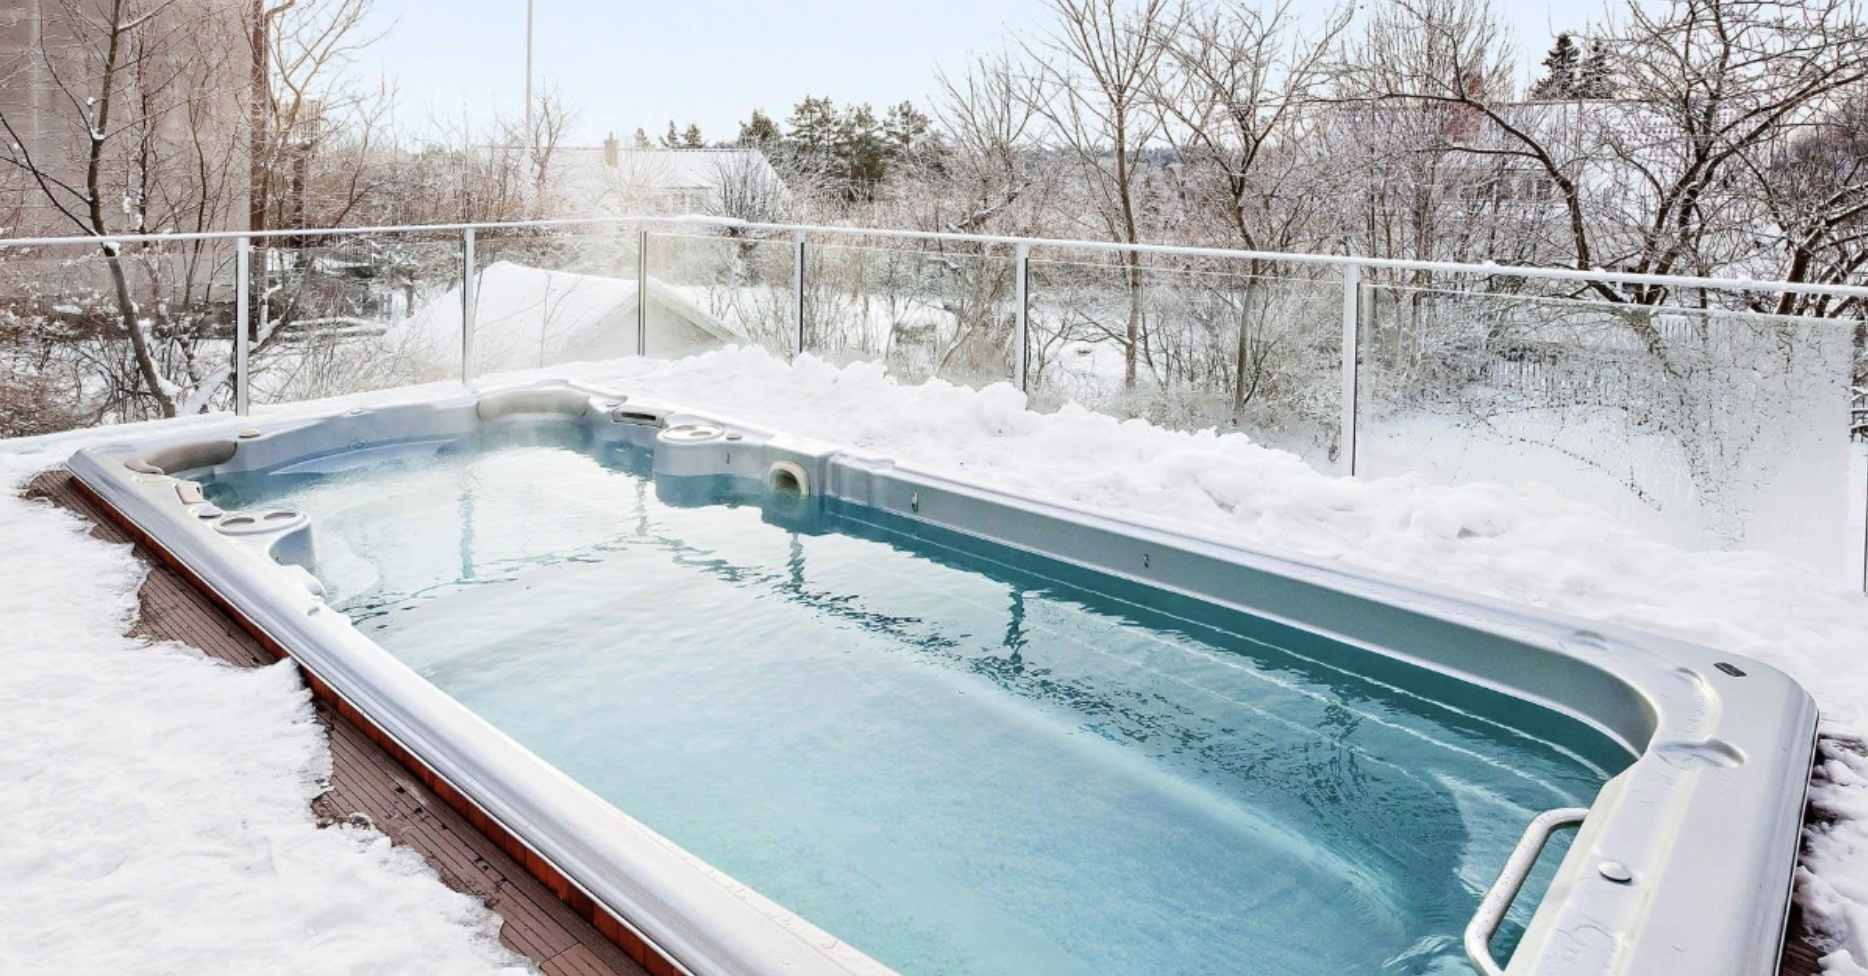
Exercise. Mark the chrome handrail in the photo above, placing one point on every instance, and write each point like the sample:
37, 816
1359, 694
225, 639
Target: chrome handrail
1511, 878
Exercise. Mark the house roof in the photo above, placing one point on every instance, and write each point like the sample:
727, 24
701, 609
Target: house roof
666, 169
583, 180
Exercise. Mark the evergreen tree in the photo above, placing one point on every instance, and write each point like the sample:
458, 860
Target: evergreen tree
1596, 78
757, 131
865, 151
906, 128
671, 139
691, 138
814, 128
1561, 68
642, 139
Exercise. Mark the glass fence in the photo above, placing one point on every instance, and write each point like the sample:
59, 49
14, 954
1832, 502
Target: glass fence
352, 315
546, 298
69, 356
922, 313
1707, 428
1191, 348
707, 292
1710, 428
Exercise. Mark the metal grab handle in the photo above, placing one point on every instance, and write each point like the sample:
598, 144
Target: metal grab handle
1504, 891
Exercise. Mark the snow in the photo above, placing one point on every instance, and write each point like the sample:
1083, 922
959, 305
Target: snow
520, 313
157, 801
526, 316
1833, 884
78, 699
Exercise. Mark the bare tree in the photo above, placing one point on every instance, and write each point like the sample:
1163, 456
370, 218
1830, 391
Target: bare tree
992, 162
296, 49
747, 188
1091, 87
1238, 87
1815, 192
150, 115
1673, 178
1653, 183
112, 69
551, 118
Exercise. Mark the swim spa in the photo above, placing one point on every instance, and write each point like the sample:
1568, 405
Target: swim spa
782, 707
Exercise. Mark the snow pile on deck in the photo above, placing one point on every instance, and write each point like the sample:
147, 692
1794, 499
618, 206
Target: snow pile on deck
157, 802
1833, 884
1520, 542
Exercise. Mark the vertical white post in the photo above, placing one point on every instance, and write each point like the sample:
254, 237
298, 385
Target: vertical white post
1352, 335
470, 299
1021, 332
1865, 527
642, 293
797, 287
243, 324
531, 133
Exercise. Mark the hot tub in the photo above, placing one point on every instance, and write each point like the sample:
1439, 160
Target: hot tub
781, 707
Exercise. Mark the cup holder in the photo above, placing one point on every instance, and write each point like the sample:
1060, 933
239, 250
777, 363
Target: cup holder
693, 433
257, 523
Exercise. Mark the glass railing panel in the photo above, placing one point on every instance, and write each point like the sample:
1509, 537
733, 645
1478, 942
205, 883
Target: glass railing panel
921, 313
1191, 349
547, 297
68, 356
353, 314
1704, 428
711, 291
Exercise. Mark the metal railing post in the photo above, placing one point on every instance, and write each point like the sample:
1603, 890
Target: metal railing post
1352, 336
243, 325
797, 288
642, 292
470, 298
1021, 332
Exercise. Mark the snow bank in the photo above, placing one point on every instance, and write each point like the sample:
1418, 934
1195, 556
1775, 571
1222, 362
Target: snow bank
156, 801
1832, 885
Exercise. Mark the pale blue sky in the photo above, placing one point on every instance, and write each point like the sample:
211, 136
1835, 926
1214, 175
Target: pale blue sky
627, 63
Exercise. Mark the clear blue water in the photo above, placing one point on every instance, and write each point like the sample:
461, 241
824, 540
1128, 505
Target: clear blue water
960, 758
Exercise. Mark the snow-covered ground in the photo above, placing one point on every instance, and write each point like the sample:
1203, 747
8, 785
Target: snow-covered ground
80, 705
157, 802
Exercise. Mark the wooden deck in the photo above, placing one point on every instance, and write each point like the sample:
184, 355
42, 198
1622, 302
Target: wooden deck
368, 783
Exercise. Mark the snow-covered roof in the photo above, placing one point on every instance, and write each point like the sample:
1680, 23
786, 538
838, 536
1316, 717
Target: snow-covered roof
670, 169
531, 316
585, 181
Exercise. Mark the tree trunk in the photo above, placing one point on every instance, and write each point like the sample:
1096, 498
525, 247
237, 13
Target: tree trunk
1242, 355
1133, 332
139, 342
260, 91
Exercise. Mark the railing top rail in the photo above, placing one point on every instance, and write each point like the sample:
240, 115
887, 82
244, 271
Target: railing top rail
1336, 260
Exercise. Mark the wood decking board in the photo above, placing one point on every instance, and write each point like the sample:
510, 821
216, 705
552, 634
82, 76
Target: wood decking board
368, 783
